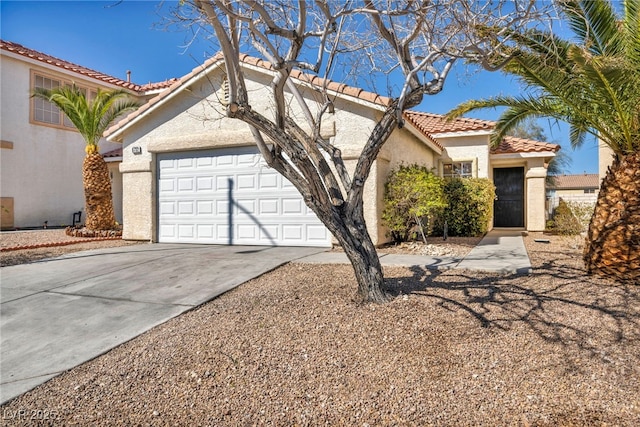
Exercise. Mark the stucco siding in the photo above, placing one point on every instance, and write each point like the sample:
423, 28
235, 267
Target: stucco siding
467, 148
194, 120
43, 169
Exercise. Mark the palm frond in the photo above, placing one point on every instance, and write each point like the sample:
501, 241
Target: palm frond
592, 85
595, 23
91, 118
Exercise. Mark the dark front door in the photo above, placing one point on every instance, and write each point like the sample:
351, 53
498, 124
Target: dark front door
508, 208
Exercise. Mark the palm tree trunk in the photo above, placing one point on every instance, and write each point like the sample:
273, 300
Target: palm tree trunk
613, 241
97, 193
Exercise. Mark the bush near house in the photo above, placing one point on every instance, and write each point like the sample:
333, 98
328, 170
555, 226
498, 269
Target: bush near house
571, 218
413, 197
470, 207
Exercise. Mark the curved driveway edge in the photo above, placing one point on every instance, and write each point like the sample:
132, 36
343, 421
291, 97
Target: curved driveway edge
61, 312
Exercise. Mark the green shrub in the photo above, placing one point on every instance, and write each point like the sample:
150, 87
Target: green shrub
413, 197
570, 218
470, 206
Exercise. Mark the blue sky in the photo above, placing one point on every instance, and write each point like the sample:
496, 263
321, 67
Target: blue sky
113, 38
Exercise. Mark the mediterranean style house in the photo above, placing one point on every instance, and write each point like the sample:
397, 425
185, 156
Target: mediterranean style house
182, 172
41, 153
192, 175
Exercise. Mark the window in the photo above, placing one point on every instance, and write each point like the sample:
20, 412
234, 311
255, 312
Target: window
458, 169
46, 112
589, 191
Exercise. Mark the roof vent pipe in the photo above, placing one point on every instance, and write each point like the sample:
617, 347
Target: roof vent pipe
128, 76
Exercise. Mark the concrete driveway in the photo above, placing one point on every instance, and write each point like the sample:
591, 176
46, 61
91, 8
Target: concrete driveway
59, 313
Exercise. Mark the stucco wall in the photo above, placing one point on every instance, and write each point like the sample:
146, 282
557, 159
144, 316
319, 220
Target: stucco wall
535, 175
116, 188
467, 148
193, 120
43, 169
605, 159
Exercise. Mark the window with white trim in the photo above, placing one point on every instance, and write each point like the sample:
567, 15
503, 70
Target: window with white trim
458, 169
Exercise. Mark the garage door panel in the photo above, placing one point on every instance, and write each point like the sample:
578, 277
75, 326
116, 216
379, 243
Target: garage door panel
317, 233
229, 196
223, 183
249, 160
268, 181
185, 163
167, 164
206, 231
167, 185
245, 207
167, 208
246, 182
204, 162
205, 207
292, 207
204, 183
286, 185
222, 207
186, 231
292, 233
185, 184
269, 207
185, 207
269, 234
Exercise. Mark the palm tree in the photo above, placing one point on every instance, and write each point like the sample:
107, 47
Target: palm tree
593, 84
92, 117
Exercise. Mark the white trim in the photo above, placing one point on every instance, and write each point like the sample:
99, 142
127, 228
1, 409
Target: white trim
461, 134
113, 159
535, 154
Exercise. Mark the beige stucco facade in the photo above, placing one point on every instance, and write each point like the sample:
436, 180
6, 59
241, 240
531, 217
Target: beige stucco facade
193, 120
41, 165
191, 117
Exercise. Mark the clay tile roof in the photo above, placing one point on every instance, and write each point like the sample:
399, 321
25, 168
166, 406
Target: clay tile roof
566, 182
512, 144
87, 72
113, 153
158, 85
436, 123
433, 124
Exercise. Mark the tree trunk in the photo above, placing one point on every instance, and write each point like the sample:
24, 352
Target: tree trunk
97, 193
612, 248
351, 232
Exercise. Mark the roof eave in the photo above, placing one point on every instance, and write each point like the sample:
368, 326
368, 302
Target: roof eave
459, 134
523, 155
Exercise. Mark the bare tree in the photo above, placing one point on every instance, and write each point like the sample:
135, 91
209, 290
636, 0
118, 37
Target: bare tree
417, 40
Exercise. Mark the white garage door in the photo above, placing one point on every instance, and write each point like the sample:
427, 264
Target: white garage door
230, 196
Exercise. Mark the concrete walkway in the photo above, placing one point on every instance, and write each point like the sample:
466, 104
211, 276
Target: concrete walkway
58, 313
500, 251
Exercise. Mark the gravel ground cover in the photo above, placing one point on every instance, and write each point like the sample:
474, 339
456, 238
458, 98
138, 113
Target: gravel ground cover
13, 239
454, 348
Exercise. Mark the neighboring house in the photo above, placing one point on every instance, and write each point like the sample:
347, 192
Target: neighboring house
580, 188
41, 152
192, 175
